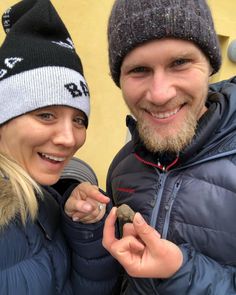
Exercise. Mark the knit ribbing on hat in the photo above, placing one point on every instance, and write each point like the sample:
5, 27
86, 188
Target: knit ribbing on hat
133, 22
42, 87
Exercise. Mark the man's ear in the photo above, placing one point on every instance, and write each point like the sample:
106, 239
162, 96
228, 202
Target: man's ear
211, 70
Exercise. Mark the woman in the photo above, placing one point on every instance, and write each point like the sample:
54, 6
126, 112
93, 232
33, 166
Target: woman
44, 103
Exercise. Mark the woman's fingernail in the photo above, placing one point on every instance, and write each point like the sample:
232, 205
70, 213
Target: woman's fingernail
75, 219
138, 218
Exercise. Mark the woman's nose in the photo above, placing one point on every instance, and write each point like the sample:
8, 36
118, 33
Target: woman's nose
65, 135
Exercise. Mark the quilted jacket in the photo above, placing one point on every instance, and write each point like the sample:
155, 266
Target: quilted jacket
191, 200
53, 255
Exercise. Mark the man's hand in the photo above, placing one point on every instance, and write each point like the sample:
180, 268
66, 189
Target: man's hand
141, 251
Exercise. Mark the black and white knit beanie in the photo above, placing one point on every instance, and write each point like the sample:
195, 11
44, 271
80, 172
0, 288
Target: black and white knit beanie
38, 63
133, 22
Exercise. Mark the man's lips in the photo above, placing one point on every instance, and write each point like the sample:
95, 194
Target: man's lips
166, 114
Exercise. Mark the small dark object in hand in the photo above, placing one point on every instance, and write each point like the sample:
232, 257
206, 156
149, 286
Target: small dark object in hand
125, 213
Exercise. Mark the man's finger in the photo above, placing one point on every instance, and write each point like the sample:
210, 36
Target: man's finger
109, 229
148, 234
128, 230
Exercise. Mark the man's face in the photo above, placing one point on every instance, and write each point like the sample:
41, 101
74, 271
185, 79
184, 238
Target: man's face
164, 84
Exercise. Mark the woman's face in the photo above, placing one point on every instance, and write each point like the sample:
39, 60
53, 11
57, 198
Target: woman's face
43, 141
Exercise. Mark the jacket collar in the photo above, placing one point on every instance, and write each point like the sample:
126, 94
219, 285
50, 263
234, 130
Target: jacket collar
49, 214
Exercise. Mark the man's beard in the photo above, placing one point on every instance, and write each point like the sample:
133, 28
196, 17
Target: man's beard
174, 141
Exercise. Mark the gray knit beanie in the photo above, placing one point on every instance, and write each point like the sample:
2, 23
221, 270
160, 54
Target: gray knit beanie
39, 65
133, 22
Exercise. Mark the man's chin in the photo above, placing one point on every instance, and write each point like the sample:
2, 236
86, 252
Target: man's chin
173, 142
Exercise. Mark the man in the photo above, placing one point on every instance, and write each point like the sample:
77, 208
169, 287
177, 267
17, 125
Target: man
178, 169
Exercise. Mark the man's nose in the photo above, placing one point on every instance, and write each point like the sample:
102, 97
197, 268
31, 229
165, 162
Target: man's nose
162, 88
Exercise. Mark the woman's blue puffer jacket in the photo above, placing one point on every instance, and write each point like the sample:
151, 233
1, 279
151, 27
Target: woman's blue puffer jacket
53, 255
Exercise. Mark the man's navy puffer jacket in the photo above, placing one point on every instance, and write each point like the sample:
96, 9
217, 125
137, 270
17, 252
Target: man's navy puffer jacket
192, 203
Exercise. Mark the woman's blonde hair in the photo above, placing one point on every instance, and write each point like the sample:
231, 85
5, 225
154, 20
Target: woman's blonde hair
23, 186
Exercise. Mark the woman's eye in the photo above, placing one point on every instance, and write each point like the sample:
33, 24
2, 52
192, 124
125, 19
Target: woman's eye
80, 121
45, 116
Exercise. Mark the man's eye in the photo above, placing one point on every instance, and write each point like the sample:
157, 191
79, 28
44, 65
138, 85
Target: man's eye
180, 62
139, 70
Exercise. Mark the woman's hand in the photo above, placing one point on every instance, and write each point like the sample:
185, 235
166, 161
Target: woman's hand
141, 251
86, 203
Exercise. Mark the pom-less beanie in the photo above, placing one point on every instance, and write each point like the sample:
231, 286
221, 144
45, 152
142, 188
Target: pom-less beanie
38, 63
133, 22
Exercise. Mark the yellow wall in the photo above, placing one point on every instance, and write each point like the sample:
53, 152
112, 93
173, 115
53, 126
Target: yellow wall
86, 20
225, 23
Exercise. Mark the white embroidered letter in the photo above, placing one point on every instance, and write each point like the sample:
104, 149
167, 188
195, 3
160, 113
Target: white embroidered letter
11, 61
2, 73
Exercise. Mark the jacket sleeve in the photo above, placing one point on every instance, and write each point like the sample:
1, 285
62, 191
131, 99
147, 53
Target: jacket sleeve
199, 275
93, 268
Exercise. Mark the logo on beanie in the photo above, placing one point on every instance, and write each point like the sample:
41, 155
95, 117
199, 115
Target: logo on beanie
77, 90
10, 63
69, 45
6, 20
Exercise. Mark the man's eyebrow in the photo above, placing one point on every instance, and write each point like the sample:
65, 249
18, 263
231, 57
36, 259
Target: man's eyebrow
184, 54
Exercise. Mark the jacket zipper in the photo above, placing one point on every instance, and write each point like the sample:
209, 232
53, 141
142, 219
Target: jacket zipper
168, 208
155, 212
